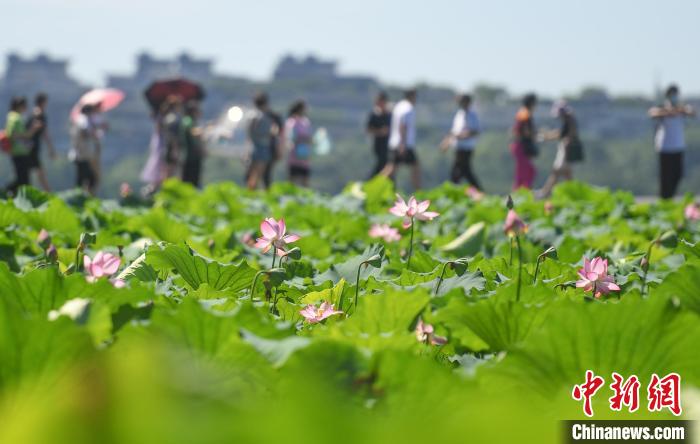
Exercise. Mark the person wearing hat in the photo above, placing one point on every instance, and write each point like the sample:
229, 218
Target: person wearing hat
569, 148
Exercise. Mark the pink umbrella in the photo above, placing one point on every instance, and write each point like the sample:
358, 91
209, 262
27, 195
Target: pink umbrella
108, 98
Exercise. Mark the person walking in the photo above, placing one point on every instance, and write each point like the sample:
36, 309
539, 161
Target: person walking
172, 119
41, 135
20, 138
153, 172
85, 150
523, 147
191, 141
569, 147
378, 124
299, 134
262, 132
402, 139
463, 138
670, 140
275, 148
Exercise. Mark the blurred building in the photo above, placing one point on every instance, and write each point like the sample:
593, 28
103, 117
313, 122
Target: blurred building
28, 76
149, 68
291, 68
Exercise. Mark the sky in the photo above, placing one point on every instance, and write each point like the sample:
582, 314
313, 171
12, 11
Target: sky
552, 47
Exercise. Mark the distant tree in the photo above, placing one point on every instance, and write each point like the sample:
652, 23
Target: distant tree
485, 93
594, 94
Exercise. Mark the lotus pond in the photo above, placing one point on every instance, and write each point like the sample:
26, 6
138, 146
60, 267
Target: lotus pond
290, 316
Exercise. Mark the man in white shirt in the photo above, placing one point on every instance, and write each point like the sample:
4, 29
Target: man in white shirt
463, 137
402, 138
670, 140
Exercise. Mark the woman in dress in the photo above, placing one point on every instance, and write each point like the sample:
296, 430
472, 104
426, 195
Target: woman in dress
523, 147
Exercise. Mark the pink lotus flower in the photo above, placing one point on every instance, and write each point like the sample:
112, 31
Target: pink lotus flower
313, 314
548, 208
274, 235
384, 231
52, 253
44, 238
474, 193
594, 277
514, 225
104, 264
426, 333
412, 210
124, 189
692, 212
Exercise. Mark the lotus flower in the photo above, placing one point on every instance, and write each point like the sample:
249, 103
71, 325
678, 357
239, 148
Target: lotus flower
692, 212
474, 193
274, 235
103, 265
52, 253
44, 238
594, 277
385, 232
548, 208
514, 225
314, 314
426, 333
125, 190
412, 210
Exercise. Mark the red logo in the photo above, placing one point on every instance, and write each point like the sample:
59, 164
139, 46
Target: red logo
626, 393
586, 391
663, 393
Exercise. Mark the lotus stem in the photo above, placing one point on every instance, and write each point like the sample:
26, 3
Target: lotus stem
78, 263
520, 268
510, 260
645, 266
357, 287
540, 259
255, 281
410, 247
442, 275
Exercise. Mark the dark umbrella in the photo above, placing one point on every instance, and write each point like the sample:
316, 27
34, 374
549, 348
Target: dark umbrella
160, 90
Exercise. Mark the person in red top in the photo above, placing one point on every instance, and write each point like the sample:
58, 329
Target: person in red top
523, 147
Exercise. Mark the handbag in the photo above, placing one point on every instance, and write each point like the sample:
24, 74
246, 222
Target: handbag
5, 142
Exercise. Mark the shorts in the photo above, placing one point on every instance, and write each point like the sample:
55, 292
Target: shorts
86, 175
299, 171
261, 153
408, 157
560, 162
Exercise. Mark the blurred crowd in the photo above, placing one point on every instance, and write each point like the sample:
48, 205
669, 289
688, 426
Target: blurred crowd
178, 146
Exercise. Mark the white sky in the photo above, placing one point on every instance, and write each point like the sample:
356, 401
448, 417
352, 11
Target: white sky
550, 46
